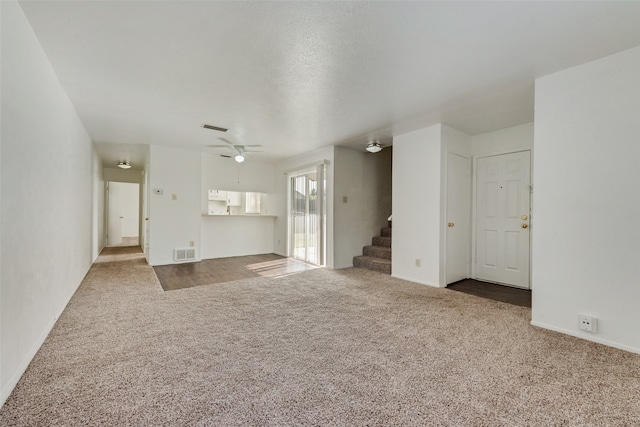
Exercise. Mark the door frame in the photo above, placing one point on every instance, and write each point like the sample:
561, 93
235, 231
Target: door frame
321, 173
474, 200
142, 205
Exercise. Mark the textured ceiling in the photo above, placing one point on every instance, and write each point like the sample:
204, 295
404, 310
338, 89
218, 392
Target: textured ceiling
297, 76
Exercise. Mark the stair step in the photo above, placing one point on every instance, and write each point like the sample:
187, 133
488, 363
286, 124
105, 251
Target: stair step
377, 252
371, 263
381, 241
385, 232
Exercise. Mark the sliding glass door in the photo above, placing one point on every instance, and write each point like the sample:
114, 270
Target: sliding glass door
307, 219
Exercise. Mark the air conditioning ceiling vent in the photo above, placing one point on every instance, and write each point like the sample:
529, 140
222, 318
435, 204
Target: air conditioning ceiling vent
215, 128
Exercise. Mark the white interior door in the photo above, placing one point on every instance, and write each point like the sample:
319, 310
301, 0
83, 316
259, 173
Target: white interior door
458, 217
115, 217
502, 218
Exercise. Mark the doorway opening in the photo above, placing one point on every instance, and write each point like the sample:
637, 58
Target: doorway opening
123, 214
307, 219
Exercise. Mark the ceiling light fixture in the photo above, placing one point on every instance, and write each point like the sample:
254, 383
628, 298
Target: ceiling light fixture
373, 147
239, 157
124, 165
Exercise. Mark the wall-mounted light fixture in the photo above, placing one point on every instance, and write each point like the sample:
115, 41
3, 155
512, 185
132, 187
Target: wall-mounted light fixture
124, 165
373, 147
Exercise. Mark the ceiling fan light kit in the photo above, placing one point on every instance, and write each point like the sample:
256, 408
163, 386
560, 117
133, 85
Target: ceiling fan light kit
124, 165
373, 147
237, 151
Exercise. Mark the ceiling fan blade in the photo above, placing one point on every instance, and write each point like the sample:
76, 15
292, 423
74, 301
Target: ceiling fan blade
225, 155
227, 141
252, 145
253, 151
219, 146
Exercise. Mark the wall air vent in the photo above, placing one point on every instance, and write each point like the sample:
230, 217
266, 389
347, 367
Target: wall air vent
184, 254
214, 128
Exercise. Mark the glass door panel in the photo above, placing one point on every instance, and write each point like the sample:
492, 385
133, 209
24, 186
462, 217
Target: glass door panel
307, 217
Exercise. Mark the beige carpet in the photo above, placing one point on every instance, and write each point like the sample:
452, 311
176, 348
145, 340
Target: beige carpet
348, 347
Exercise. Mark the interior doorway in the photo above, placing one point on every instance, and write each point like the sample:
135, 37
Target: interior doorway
307, 215
123, 214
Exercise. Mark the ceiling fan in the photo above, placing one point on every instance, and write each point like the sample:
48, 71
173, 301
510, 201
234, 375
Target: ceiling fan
238, 150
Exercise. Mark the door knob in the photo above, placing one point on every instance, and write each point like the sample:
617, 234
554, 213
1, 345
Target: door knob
121, 217
524, 226
451, 224
146, 219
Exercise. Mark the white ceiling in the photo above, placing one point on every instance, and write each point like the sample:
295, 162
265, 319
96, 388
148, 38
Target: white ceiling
297, 76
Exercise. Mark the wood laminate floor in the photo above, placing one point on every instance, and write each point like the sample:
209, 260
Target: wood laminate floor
219, 270
516, 296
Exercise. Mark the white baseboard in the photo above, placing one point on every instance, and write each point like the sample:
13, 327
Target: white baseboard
415, 281
586, 337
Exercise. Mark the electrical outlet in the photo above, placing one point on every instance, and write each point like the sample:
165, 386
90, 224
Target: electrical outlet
588, 323
418, 262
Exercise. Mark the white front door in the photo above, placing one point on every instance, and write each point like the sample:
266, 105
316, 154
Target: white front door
458, 217
502, 218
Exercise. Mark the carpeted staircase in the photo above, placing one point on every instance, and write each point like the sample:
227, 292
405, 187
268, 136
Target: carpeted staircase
377, 257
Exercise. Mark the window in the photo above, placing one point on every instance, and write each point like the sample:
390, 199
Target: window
252, 203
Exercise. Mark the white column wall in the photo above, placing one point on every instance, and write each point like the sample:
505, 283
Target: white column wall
173, 223
586, 237
48, 178
417, 192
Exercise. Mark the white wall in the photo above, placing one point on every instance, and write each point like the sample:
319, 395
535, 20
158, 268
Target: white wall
220, 173
173, 223
226, 236
97, 205
350, 231
417, 192
516, 138
365, 180
236, 236
586, 241
48, 180
280, 198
